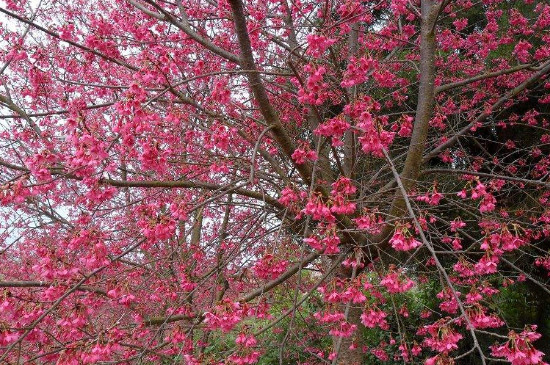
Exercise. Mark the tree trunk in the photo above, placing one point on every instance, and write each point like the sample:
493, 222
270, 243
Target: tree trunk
347, 356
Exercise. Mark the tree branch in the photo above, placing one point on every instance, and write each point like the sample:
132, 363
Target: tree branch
161, 184
278, 131
186, 28
57, 36
488, 75
545, 68
42, 284
492, 176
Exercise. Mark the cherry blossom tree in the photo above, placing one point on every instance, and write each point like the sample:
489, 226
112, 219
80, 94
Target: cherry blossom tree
276, 181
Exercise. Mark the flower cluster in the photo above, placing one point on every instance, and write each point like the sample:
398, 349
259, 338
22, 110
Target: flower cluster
397, 282
329, 317
375, 138
406, 127
449, 303
225, 316
431, 198
374, 317
442, 338
402, 240
544, 262
480, 319
318, 44
152, 158
334, 128
341, 190
357, 71
157, 228
268, 268
344, 329
327, 243
39, 163
370, 222
303, 154
318, 210
503, 241
519, 349
314, 92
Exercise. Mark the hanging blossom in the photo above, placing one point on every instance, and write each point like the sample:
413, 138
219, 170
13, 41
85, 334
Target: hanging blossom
290, 197
480, 319
441, 359
370, 222
519, 349
243, 359
327, 242
487, 264
318, 44
345, 329
303, 154
157, 228
442, 338
152, 158
374, 138
432, 197
318, 210
402, 240
449, 303
246, 353
455, 242
396, 281
374, 317
315, 91
457, 224
40, 163
268, 268
406, 126
503, 241
225, 316
358, 71
329, 317
544, 262
488, 201
464, 268
333, 128
341, 189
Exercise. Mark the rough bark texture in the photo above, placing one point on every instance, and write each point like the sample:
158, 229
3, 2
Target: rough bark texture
424, 112
413, 163
260, 94
425, 106
355, 356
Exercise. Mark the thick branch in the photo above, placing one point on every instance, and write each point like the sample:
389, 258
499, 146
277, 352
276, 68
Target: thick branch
260, 94
186, 28
42, 284
425, 106
488, 75
161, 184
53, 112
193, 184
11, 105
